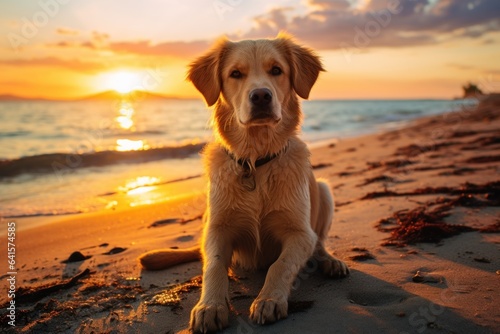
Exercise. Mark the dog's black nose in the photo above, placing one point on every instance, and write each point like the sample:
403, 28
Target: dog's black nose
261, 97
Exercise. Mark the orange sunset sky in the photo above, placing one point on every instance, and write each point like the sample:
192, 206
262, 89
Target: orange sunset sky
370, 48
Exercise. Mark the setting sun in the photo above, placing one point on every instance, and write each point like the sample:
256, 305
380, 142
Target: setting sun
122, 81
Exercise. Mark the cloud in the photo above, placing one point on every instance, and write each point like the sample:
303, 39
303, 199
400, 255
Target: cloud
331, 4
489, 41
336, 24
67, 31
102, 41
462, 67
331, 24
74, 64
175, 49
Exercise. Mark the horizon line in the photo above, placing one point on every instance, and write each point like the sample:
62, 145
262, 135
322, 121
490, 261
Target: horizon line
113, 94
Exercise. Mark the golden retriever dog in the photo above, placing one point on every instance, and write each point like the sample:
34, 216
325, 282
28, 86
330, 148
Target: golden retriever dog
265, 208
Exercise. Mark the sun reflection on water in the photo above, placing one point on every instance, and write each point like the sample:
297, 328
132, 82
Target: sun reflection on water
125, 118
130, 145
125, 122
139, 183
142, 190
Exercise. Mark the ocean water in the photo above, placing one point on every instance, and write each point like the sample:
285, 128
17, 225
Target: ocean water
69, 157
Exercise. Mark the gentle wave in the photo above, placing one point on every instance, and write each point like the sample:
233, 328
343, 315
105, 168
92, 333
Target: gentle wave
408, 112
44, 214
118, 134
15, 134
61, 162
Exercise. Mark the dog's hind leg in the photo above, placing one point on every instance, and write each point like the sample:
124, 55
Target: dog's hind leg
166, 258
329, 265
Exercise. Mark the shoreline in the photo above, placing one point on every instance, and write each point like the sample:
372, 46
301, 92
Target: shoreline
155, 155
164, 188
415, 175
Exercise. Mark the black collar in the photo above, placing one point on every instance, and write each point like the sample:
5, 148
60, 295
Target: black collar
245, 163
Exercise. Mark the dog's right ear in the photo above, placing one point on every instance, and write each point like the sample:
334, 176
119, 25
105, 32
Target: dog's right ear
305, 64
204, 72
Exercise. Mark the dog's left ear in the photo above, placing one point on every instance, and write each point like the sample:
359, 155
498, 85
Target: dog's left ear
305, 65
204, 72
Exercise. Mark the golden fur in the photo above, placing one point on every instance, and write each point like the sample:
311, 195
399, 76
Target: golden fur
283, 221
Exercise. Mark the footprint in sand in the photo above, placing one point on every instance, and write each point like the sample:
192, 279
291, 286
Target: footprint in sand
425, 277
185, 238
163, 222
115, 250
376, 298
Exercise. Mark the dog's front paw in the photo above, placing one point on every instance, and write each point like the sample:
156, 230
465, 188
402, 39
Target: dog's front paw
334, 268
209, 317
267, 310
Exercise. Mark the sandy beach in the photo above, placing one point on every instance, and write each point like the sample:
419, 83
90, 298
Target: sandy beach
417, 220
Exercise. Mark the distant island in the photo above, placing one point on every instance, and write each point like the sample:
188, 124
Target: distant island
471, 90
133, 95
109, 95
10, 97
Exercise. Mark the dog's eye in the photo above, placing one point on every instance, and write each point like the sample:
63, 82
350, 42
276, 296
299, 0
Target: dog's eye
235, 74
276, 70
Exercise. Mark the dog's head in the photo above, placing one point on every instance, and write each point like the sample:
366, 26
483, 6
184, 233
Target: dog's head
256, 77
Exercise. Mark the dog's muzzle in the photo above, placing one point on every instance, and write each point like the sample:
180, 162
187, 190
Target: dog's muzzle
261, 104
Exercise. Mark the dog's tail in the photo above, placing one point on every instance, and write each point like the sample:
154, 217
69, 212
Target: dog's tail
166, 258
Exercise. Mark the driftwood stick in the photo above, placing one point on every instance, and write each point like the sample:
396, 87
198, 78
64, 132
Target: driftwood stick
29, 295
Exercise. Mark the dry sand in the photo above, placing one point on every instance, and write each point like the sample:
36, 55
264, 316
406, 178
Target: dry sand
418, 199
